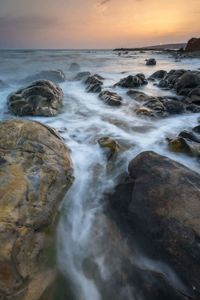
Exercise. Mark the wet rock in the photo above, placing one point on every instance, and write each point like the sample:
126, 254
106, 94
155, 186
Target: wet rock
196, 129
190, 135
94, 88
145, 111
94, 84
157, 208
132, 81
111, 145
35, 174
193, 45
151, 62
82, 76
194, 96
182, 81
138, 95
180, 145
74, 67
158, 75
186, 82
111, 98
41, 98
56, 76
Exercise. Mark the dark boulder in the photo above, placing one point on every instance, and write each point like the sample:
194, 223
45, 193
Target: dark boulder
94, 84
111, 98
189, 80
132, 81
56, 76
41, 98
158, 75
193, 45
157, 208
151, 62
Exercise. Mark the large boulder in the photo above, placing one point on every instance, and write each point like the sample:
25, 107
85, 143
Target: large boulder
193, 45
132, 81
157, 208
56, 76
41, 98
35, 174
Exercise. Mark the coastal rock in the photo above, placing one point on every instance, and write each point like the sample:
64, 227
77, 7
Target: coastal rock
158, 75
41, 98
182, 81
187, 142
74, 67
157, 208
111, 98
151, 62
194, 96
82, 76
111, 145
132, 81
94, 84
56, 76
156, 106
193, 45
35, 174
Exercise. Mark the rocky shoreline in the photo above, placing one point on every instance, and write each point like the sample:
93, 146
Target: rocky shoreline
155, 205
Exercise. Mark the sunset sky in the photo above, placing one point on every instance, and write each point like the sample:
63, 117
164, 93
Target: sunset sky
96, 23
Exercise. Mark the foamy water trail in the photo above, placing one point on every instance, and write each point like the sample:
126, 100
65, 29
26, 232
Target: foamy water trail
88, 253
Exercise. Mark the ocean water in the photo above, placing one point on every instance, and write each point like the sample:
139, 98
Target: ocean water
87, 251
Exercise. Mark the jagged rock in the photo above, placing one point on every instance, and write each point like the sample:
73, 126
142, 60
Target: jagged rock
132, 81
138, 95
35, 174
93, 84
110, 98
151, 62
193, 45
74, 67
56, 76
82, 76
41, 98
157, 208
194, 96
158, 75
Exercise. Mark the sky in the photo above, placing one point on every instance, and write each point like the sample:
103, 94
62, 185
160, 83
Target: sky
106, 24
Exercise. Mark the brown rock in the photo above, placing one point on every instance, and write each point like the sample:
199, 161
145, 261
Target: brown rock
35, 173
193, 45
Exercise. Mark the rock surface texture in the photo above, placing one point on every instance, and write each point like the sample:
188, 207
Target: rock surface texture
41, 98
35, 174
157, 207
193, 45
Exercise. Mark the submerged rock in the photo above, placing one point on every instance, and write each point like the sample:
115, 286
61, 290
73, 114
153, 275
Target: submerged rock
151, 62
41, 98
3, 85
132, 81
74, 67
158, 75
111, 98
157, 208
111, 145
35, 174
82, 75
56, 76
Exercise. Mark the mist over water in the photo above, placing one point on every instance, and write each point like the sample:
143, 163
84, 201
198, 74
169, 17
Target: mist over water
90, 248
